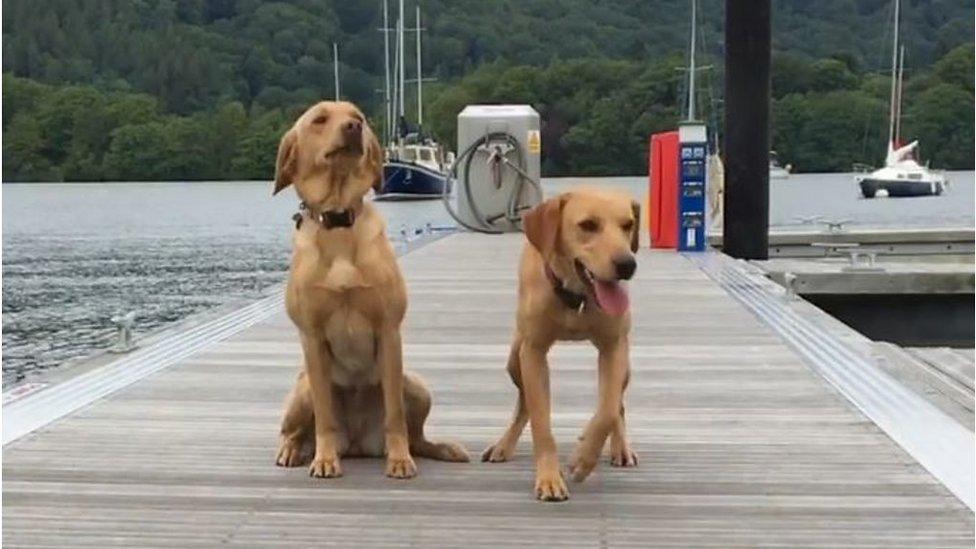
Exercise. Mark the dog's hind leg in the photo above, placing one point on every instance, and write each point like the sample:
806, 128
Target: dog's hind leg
417, 403
505, 447
296, 424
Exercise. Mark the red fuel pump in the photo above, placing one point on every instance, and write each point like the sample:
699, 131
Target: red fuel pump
663, 214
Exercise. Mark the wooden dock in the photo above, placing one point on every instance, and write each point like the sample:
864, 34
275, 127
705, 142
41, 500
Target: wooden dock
741, 443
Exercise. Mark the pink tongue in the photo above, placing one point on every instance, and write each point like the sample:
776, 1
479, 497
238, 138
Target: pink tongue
611, 297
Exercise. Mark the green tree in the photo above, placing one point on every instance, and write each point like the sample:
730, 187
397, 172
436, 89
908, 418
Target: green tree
612, 136
190, 142
138, 153
826, 132
21, 95
831, 74
790, 74
255, 157
941, 118
57, 115
23, 152
228, 125
956, 68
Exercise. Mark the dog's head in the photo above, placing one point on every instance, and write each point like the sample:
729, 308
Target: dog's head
331, 156
596, 232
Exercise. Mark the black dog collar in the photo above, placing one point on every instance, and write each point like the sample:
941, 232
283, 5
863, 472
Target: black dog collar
571, 299
329, 219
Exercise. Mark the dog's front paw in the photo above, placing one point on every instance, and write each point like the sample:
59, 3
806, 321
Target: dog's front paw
325, 467
581, 465
498, 452
550, 486
401, 467
289, 453
624, 456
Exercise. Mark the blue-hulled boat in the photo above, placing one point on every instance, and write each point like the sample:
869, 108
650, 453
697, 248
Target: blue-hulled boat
413, 172
415, 167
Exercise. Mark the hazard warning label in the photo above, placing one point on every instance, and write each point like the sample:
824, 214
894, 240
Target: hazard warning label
535, 142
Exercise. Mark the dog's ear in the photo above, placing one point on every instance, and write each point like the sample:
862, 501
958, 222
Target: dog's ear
285, 164
541, 225
635, 232
373, 158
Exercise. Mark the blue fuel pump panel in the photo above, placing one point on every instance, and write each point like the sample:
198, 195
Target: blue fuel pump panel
693, 150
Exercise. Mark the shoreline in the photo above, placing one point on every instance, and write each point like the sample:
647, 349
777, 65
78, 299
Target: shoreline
554, 178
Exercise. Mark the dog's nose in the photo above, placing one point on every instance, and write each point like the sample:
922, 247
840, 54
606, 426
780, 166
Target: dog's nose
353, 129
625, 267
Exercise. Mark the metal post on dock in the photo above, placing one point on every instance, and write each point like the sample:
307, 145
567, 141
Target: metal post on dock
124, 324
335, 68
746, 144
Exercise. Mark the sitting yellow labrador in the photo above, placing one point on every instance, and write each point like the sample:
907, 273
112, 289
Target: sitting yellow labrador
580, 249
347, 297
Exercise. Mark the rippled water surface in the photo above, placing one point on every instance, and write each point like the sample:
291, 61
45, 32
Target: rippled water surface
76, 254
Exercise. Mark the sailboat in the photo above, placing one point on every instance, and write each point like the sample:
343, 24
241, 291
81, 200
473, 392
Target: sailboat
902, 174
776, 170
415, 166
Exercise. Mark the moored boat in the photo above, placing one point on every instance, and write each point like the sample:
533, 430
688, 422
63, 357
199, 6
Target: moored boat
415, 173
415, 167
902, 174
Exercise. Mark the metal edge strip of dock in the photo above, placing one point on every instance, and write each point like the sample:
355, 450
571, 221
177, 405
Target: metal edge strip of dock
938, 442
35, 410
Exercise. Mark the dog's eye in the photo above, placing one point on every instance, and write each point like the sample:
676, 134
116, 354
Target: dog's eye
321, 119
589, 225
627, 226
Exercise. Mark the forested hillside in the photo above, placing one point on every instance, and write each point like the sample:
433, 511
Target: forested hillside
201, 89
826, 115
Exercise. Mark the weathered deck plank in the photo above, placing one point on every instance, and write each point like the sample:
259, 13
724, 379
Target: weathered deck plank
740, 443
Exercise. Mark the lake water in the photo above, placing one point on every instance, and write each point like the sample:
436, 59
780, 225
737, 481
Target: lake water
76, 254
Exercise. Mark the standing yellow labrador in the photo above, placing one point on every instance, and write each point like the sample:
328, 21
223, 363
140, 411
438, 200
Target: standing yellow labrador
347, 297
580, 248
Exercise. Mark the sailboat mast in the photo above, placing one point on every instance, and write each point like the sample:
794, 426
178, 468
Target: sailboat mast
402, 75
420, 77
894, 79
386, 69
901, 76
691, 64
335, 68
395, 100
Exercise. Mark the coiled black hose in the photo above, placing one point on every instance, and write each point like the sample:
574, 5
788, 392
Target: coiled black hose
513, 210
